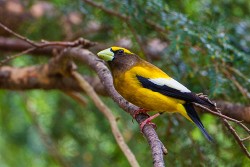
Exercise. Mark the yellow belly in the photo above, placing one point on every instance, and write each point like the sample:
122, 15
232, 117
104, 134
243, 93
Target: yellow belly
131, 89
148, 99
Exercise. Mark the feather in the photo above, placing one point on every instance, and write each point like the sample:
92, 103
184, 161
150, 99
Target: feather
172, 92
170, 83
195, 118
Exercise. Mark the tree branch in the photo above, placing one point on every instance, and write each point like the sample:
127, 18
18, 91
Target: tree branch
17, 45
104, 74
237, 137
18, 36
225, 120
40, 77
124, 17
97, 65
62, 64
43, 44
236, 111
108, 114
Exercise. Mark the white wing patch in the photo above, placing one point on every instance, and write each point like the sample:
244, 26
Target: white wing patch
170, 83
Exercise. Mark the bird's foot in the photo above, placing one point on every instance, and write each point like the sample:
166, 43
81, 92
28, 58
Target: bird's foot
139, 111
205, 97
148, 121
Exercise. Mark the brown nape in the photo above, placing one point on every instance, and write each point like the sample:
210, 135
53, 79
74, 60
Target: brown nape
122, 63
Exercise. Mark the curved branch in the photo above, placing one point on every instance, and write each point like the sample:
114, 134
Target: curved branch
104, 74
124, 17
236, 111
18, 45
40, 77
225, 119
108, 114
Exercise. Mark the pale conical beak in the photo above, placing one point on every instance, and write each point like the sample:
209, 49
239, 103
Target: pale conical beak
106, 54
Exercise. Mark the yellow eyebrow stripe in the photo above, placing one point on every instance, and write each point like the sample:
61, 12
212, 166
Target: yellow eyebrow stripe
115, 48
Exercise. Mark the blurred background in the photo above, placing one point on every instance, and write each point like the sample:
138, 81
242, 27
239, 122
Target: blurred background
203, 44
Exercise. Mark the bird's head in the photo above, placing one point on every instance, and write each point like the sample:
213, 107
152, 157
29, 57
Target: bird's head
113, 52
118, 58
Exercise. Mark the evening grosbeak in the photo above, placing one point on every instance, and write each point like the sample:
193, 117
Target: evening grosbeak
151, 89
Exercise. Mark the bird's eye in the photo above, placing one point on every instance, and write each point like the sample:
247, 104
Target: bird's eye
120, 51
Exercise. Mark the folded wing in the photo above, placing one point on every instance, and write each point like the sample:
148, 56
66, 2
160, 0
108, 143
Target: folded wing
172, 88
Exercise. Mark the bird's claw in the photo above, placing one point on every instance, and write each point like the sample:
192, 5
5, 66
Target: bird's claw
139, 111
205, 97
145, 122
148, 121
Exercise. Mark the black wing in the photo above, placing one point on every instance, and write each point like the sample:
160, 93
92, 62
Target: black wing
188, 97
171, 92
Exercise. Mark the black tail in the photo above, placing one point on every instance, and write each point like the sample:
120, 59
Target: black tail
195, 118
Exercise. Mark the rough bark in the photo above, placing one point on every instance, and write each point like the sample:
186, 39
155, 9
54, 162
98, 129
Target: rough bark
40, 77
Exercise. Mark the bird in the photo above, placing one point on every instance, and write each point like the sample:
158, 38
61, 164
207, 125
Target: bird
148, 87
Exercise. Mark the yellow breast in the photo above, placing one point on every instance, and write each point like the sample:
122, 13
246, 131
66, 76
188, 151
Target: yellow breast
131, 89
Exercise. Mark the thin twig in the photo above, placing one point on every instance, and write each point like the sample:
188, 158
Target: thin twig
216, 113
246, 138
148, 126
125, 18
138, 40
87, 57
79, 42
32, 43
230, 128
111, 12
8, 58
243, 91
112, 120
236, 71
77, 97
237, 138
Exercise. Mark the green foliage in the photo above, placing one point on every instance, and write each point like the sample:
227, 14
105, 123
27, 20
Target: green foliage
44, 28
209, 39
204, 38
